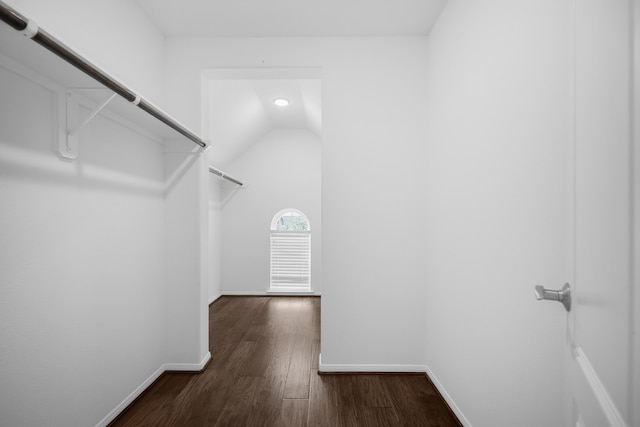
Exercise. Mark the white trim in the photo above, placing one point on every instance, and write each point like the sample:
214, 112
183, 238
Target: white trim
635, 210
447, 397
262, 73
188, 367
244, 293
325, 368
280, 214
129, 399
214, 298
267, 294
609, 409
291, 293
334, 368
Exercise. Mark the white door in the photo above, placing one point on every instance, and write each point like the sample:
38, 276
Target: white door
599, 337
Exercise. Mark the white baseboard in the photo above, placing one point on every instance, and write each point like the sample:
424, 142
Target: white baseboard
443, 392
293, 294
244, 293
327, 368
214, 298
187, 367
133, 396
266, 294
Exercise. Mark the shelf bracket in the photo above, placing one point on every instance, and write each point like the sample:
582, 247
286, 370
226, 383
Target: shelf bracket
69, 147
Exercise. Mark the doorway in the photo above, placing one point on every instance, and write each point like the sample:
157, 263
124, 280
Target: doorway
265, 129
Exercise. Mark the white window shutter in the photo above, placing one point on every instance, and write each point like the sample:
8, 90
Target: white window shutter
290, 260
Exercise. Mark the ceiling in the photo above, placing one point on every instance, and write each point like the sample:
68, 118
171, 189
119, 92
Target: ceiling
242, 111
292, 18
240, 107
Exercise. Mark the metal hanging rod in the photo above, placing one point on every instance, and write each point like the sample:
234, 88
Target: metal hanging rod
224, 175
30, 29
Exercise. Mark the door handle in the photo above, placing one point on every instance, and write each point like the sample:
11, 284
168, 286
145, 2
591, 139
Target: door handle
563, 295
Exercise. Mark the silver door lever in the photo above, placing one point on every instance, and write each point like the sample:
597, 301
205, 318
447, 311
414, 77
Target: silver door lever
563, 295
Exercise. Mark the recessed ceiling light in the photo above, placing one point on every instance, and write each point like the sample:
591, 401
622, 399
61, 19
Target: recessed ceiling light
281, 102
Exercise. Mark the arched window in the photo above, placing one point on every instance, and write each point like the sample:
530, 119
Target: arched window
290, 252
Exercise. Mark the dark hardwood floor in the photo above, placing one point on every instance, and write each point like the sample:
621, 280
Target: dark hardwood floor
264, 372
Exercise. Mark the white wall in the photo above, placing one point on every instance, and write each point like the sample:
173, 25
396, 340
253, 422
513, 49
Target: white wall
114, 34
82, 299
92, 302
186, 255
215, 238
497, 120
448, 152
373, 98
636, 213
281, 170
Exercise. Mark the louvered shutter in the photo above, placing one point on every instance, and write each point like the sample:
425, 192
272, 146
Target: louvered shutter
290, 260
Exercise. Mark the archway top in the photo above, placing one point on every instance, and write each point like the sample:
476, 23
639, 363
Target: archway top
290, 220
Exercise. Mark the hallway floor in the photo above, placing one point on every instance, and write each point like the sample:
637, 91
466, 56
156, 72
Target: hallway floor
264, 372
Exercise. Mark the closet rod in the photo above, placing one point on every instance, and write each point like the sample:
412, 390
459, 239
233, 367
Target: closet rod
30, 29
224, 175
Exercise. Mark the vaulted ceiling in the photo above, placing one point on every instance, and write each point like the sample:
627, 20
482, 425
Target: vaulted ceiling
241, 110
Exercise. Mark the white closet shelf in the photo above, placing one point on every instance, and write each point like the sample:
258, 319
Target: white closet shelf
41, 61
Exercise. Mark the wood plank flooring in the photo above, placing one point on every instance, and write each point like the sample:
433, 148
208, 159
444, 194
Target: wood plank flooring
264, 372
